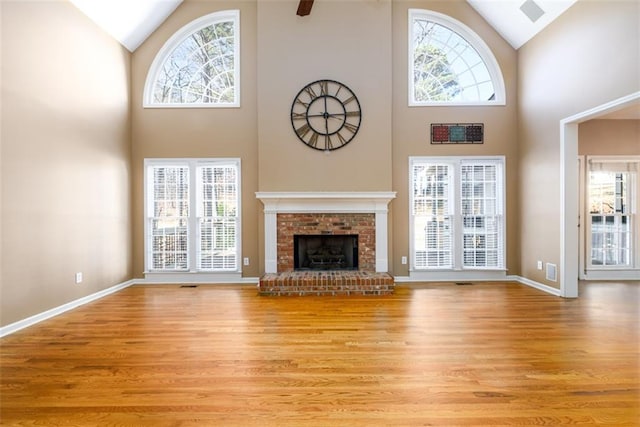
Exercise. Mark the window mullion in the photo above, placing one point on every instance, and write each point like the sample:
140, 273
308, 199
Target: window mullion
456, 203
449, 63
182, 74
612, 233
176, 191
194, 229
634, 203
472, 208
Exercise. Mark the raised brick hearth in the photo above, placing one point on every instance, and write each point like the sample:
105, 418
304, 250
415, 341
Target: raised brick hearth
326, 283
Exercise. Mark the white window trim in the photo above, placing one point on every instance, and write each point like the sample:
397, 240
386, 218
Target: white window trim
193, 274
458, 272
173, 42
588, 271
474, 40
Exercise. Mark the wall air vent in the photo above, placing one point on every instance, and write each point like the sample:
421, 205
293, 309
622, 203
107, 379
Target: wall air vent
532, 10
552, 272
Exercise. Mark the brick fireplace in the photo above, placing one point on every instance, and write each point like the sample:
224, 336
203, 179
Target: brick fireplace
321, 214
317, 224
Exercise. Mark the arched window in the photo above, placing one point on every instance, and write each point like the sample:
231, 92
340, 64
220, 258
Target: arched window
199, 66
450, 64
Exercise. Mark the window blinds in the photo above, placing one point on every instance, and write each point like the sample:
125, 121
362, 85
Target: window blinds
192, 215
457, 213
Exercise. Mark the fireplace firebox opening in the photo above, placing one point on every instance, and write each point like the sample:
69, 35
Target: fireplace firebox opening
325, 252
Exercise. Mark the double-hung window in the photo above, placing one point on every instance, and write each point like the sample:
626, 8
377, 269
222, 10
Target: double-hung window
612, 203
457, 213
192, 213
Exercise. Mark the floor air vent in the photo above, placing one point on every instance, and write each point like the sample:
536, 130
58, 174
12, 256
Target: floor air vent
188, 286
464, 283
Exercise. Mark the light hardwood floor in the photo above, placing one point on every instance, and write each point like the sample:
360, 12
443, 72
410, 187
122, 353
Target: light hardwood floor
434, 354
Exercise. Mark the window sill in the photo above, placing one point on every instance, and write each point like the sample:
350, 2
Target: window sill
457, 275
611, 274
193, 277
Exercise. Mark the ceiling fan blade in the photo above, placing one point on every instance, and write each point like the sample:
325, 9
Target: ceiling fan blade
304, 7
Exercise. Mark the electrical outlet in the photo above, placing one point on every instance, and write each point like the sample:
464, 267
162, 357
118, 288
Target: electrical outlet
539, 265
246, 261
404, 260
78, 278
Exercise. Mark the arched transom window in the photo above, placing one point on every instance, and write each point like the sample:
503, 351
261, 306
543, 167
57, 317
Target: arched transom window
199, 66
450, 64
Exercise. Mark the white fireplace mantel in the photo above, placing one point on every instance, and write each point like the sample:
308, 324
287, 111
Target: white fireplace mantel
376, 202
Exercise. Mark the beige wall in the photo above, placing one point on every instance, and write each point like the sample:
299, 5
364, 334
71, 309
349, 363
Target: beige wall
605, 137
281, 53
345, 41
589, 56
74, 133
359, 43
609, 137
198, 132
65, 158
411, 125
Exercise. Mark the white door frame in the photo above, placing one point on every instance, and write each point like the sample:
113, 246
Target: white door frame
569, 241
582, 220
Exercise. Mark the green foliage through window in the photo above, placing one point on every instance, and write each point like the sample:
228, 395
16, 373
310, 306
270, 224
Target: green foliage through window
445, 66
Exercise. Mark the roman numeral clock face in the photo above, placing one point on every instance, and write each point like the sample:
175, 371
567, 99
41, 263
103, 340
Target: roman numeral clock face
326, 115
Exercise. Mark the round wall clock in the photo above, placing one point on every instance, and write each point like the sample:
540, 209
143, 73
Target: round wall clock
326, 115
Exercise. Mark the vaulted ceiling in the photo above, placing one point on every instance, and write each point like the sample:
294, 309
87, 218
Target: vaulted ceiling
131, 22
517, 21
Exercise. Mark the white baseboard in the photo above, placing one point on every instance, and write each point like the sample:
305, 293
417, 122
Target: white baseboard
29, 321
193, 278
539, 286
37, 318
458, 276
519, 279
610, 275
452, 276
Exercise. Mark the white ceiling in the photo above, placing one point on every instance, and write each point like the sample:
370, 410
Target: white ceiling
508, 19
131, 22
128, 21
